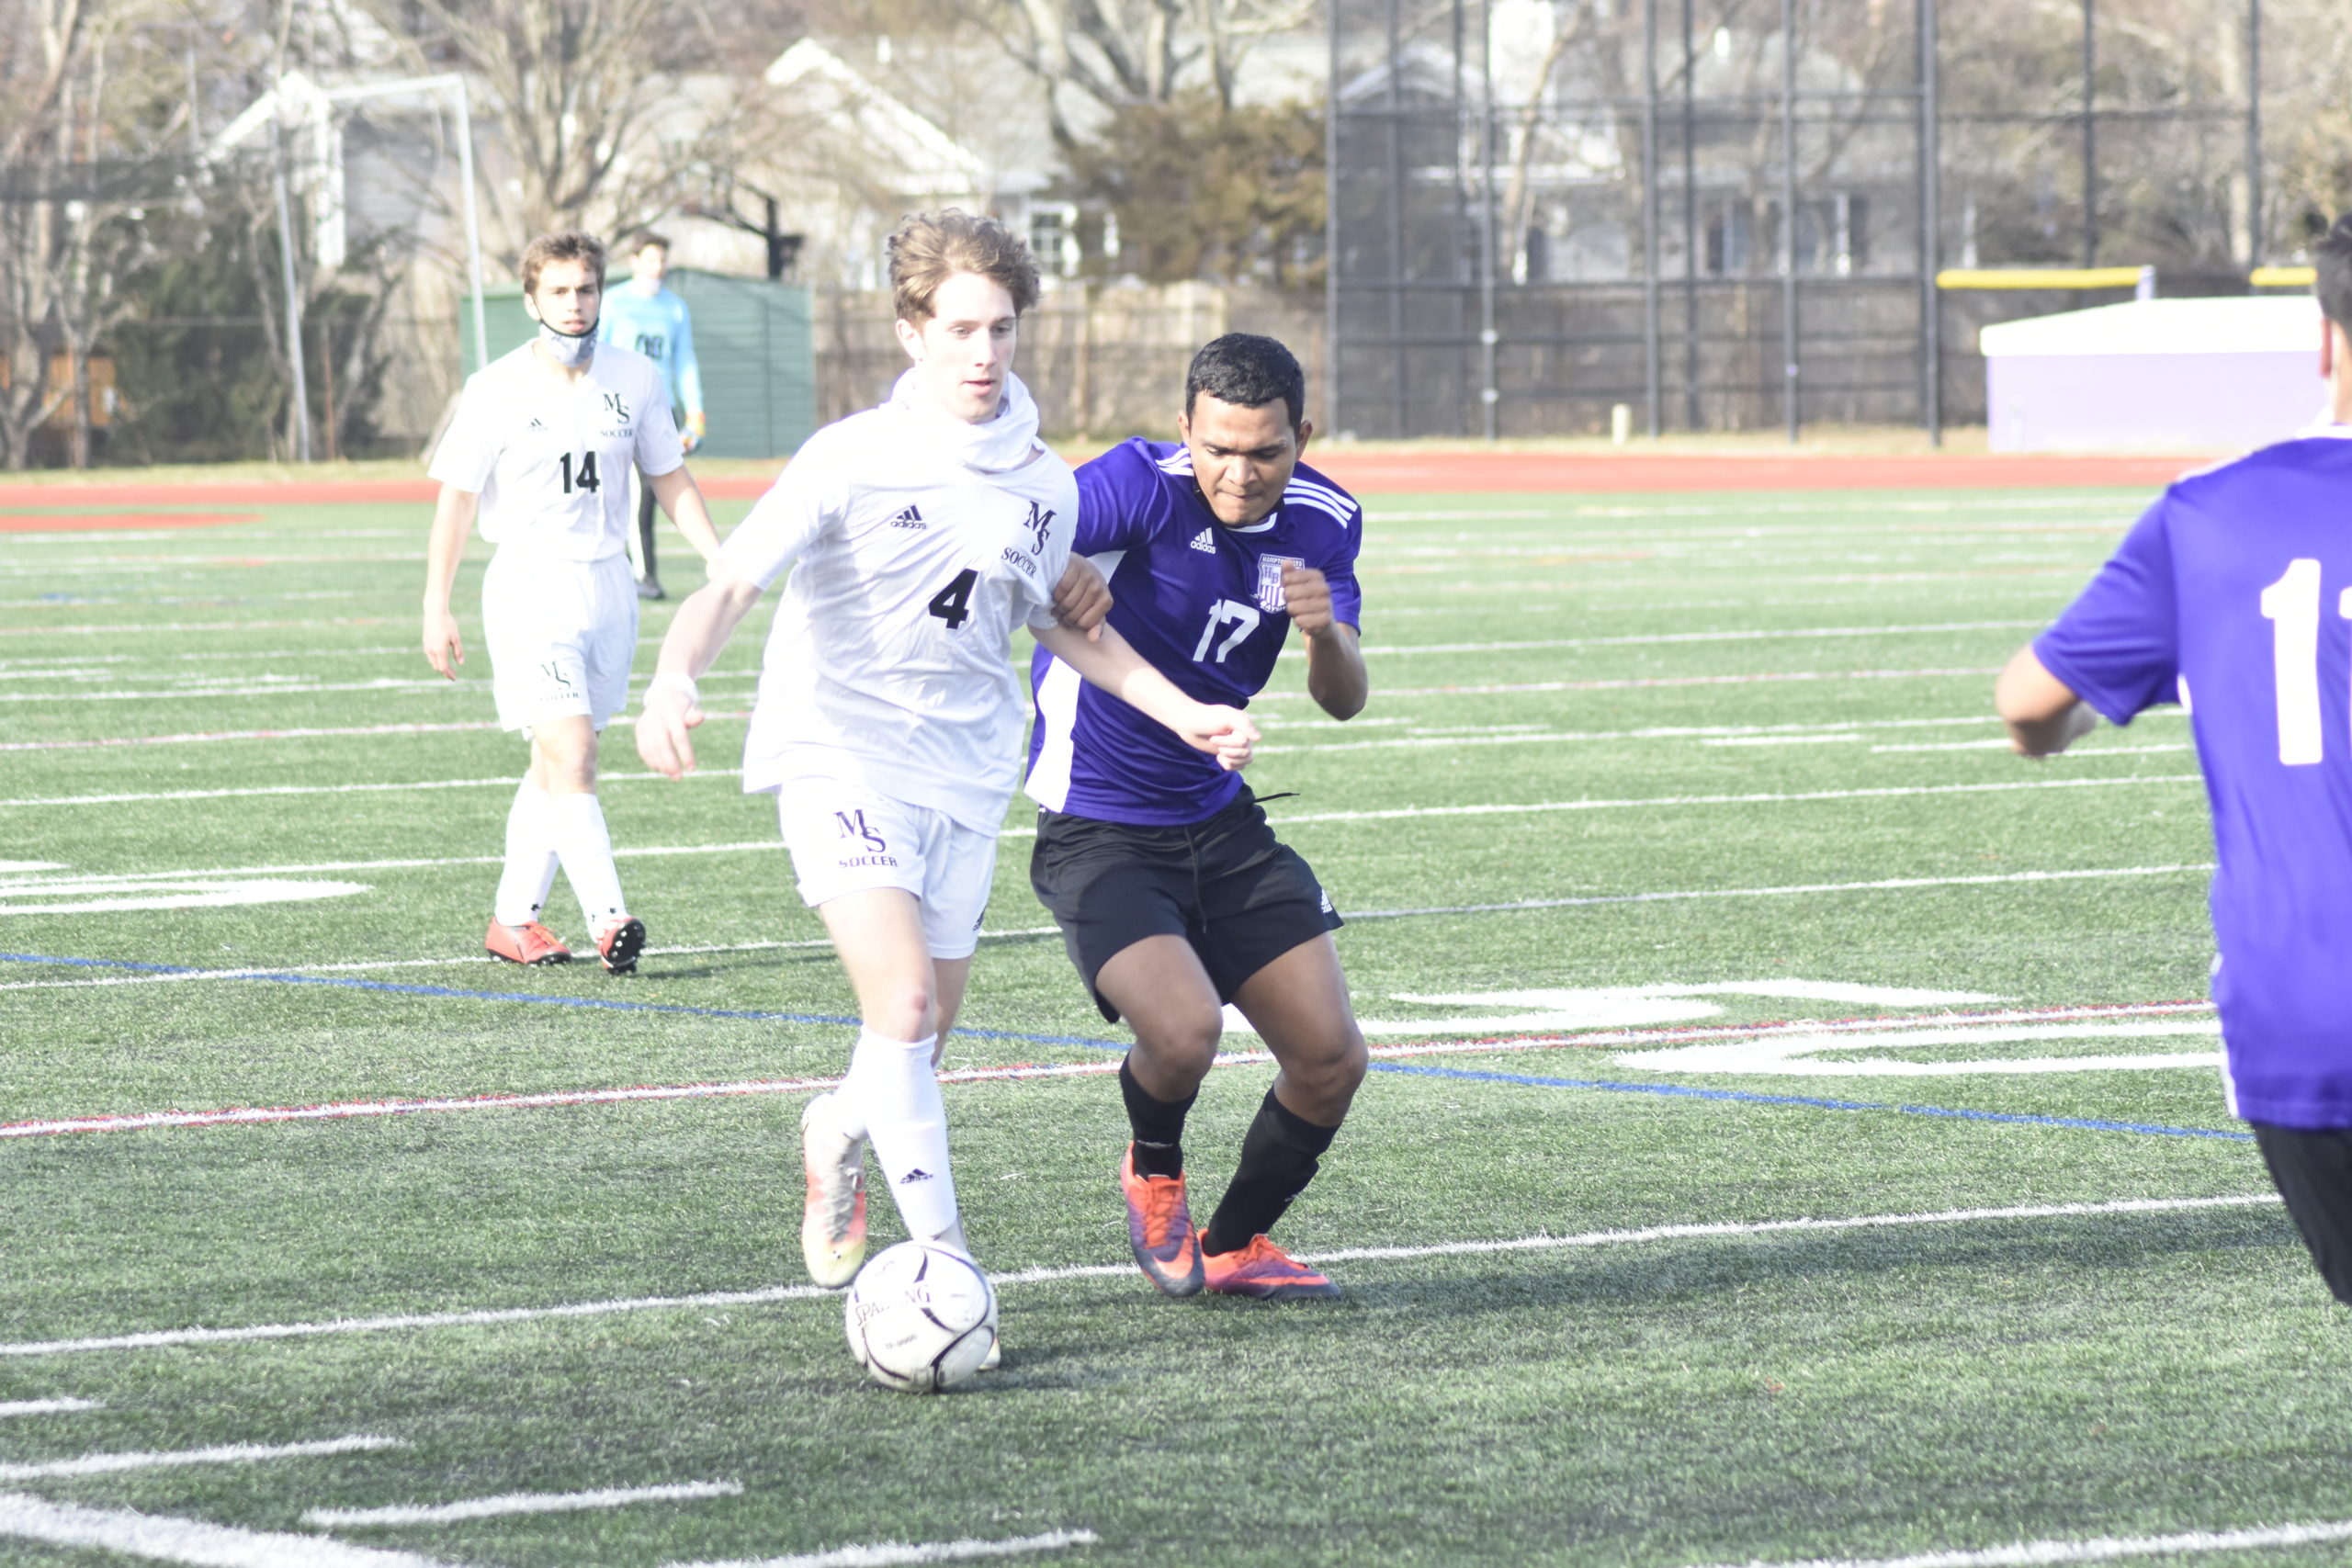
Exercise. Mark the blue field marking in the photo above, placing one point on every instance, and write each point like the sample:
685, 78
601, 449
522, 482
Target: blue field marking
346, 983
1685, 1091
1678, 1091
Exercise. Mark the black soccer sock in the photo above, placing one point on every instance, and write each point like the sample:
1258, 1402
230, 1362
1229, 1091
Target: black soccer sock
1279, 1157
646, 510
1158, 1126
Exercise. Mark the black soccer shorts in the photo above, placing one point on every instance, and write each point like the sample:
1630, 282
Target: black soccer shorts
1241, 897
2313, 1173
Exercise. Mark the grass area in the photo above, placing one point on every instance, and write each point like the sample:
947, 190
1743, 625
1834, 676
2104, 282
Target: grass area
1618, 746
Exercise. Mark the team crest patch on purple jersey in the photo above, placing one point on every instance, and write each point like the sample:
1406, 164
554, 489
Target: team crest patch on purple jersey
1270, 580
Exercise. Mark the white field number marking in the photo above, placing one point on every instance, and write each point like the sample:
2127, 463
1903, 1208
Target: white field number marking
892, 1553
161, 1539
99, 894
521, 1503
2109, 1549
1624, 1007
1793, 1054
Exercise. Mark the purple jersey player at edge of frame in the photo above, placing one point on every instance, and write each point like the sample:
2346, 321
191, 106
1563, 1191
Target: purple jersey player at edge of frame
1177, 577
2231, 589
2234, 593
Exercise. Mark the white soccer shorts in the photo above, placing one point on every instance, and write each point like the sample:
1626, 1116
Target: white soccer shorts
845, 838
561, 637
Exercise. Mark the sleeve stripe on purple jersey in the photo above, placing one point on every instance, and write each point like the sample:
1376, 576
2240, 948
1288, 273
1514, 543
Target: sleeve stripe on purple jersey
1297, 497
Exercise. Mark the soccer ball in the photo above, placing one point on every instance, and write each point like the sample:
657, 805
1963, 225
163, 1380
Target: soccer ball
920, 1317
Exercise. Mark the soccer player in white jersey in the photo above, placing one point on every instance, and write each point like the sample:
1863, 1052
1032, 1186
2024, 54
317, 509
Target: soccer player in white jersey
2234, 595
889, 718
540, 451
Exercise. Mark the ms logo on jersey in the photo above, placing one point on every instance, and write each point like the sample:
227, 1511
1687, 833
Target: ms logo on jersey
1039, 521
614, 406
854, 825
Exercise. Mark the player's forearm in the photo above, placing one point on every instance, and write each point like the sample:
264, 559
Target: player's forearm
703, 623
444, 545
1111, 664
2041, 713
681, 498
1336, 677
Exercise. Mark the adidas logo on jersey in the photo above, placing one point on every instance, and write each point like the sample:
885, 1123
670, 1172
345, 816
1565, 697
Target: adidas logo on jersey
1205, 542
909, 518
917, 1173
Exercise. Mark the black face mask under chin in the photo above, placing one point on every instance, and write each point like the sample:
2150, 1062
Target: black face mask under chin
567, 349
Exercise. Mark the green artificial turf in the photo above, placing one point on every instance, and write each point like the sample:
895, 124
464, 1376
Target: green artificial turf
1615, 742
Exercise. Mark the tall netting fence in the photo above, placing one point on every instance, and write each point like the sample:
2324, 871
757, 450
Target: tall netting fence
1727, 214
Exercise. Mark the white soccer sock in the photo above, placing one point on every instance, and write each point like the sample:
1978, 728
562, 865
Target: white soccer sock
586, 850
894, 1091
530, 865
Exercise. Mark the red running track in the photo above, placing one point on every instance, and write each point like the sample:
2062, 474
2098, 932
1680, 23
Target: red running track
1366, 472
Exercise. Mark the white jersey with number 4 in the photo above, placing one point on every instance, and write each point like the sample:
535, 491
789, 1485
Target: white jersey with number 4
551, 458
888, 664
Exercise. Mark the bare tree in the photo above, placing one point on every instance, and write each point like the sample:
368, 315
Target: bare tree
1119, 53
597, 119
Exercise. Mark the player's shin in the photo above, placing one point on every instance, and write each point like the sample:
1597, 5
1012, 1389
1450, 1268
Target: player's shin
906, 1121
1279, 1156
1157, 1126
585, 847
529, 869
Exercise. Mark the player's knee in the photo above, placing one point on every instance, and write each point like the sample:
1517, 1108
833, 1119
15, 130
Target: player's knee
909, 1011
1181, 1039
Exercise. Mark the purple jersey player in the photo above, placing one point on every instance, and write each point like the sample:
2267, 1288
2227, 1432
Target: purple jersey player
1172, 894
2234, 592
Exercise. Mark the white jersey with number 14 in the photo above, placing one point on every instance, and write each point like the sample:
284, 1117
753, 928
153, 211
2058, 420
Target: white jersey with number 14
888, 661
551, 458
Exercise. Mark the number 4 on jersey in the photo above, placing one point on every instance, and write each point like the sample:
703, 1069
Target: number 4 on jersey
953, 604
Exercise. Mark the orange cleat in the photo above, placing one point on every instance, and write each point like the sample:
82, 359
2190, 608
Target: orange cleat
1266, 1271
530, 943
1159, 1229
618, 941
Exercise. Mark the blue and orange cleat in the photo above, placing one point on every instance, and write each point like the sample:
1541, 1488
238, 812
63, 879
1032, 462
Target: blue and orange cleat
1159, 1229
1266, 1271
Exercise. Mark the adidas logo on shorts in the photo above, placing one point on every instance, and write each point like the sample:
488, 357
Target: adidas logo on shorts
1205, 542
909, 518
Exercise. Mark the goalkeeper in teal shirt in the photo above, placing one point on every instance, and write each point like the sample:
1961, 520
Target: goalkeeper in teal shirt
644, 316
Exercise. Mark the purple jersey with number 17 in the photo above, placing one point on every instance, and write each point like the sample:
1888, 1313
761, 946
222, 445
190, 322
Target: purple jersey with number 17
2235, 589
1203, 604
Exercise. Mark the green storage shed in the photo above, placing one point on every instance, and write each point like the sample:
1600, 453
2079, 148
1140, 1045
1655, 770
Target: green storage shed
752, 340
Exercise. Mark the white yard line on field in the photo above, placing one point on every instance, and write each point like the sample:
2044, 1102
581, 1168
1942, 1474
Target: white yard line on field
1648, 640
2107, 1548
229, 691
1892, 792
1722, 1230
1491, 1042
133, 879
1651, 682
253, 790
47, 1406
521, 1503
161, 1539
157, 628
227, 1453
893, 1553
1882, 885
